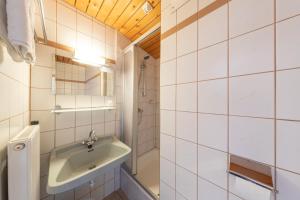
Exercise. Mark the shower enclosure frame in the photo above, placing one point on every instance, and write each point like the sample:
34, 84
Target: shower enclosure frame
129, 110
130, 105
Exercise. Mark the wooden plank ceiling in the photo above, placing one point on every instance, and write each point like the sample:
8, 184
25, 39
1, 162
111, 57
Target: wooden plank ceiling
127, 16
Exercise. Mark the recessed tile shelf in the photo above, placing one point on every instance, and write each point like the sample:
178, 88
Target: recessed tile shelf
59, 110
252, 171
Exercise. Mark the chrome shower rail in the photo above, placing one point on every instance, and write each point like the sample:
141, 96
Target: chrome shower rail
42, 13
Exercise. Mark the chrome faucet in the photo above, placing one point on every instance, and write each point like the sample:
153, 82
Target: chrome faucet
91, 140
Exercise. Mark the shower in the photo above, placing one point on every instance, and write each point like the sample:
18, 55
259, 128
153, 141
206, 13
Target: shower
142, 86
142, 76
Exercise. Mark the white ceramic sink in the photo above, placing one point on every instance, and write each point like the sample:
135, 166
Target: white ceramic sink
72, 165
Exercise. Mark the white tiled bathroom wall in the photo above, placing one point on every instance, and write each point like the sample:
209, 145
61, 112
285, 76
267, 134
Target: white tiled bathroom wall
68, 26
230, 85
14, 106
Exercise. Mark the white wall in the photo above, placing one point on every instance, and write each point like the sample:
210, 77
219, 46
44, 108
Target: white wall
14, 107
230, 85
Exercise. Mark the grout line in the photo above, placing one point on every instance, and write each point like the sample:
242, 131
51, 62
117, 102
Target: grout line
175, 107
275, 100
228, 96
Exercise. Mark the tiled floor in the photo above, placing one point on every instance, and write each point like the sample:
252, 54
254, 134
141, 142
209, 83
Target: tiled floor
148, 171
117, 195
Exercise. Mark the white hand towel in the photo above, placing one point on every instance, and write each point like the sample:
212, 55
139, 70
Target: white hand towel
20, 26
3, 33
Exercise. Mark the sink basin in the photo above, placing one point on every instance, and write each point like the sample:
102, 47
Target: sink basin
72, 165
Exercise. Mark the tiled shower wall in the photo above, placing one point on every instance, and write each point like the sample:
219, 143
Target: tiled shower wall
230, 84
67, 26
149, 123
14, 106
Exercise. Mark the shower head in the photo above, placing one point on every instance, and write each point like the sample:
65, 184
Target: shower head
146, 57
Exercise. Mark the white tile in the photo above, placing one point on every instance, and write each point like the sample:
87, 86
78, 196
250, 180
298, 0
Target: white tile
252, 95
168, 73
185, 45
203, 3
208, 66
110, 115
186, 183
168, 20
84, 24
180, 197
65, 120
98, 101
211, 127
66, 36
167, 172
64, 136
212, 166
50, 12
186, 126
287, 146
212, 28
248, 190
44, 167
47, 142
83, 44
166, 192
45, 56
41, 77
209, 191
83, 101
252, 138
167, 147
287, 43
4, 137
288, 185
233, 197
42, 99
5, 92
110, 128
98, 31
168, 48
83, 118
167, 122
286, 8
66, 16
167, 97
16, 124
65, 101
212, 96
249, 15
186, 155
288, 94
187, 10
46, 119
15, 95
252, 53
186, 97
98, 116
82, 132
187, 68
99, 129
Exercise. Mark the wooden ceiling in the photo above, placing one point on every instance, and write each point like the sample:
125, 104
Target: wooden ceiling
151, 44
127, 16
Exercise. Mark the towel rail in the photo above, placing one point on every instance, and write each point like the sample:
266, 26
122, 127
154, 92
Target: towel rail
42, 13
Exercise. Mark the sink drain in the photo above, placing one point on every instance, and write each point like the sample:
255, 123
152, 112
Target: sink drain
92, 167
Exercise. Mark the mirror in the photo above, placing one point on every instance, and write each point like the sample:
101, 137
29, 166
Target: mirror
74, 78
